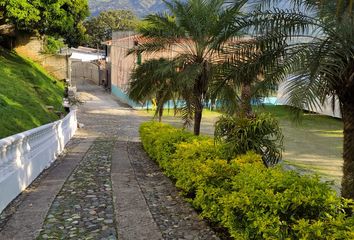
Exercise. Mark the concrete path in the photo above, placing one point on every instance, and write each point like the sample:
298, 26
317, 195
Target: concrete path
105, 187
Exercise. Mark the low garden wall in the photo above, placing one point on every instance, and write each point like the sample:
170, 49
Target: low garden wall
25, 155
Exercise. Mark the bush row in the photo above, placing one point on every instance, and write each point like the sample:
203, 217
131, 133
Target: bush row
242, 195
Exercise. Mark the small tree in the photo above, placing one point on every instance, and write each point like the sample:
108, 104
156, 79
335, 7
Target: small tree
154, 79
193, 31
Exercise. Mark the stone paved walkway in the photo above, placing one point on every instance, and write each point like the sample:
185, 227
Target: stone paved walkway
83, 209
105, 187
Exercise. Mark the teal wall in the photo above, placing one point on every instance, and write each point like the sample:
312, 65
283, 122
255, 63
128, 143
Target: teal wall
116, 91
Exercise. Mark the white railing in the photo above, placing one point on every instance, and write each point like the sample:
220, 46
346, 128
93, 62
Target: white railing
25, 155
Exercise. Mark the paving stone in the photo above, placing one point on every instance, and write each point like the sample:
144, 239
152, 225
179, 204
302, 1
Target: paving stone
79, 207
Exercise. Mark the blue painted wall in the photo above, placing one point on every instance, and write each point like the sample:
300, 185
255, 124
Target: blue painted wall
116, 91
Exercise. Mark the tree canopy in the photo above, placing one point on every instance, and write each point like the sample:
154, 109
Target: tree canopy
100, 28
56, 17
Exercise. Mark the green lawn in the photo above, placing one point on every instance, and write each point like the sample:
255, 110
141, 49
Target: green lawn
25, 91
314, 143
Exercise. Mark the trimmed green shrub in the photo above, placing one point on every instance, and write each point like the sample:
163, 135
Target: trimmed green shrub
159, 140
185, 164
276, 204
242, 195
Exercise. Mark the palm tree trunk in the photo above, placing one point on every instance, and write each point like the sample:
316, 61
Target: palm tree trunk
246, 95
160, 113
198, 118
348, 151
159, 105
199, 90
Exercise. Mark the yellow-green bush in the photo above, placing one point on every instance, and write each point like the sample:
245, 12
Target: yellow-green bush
159, 140
275, 204
245, 197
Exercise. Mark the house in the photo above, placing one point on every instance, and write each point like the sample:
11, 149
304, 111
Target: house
120, 66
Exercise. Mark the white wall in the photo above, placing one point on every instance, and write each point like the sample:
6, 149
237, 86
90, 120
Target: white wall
25, 155
326, 109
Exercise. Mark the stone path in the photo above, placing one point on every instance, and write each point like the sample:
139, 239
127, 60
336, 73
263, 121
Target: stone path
84, 208
23, 219
105, 186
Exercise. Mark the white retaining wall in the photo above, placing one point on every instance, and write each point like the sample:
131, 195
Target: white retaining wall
25, 155
326, 109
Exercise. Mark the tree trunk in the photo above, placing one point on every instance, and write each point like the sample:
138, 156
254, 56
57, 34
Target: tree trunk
198, 119
160, 113
200, 90
160, 104
348, 151
246, 95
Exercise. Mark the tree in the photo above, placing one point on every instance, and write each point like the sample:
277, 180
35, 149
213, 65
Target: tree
192, 32
154, 79
317, 38
244, 76
60, 18
100, 28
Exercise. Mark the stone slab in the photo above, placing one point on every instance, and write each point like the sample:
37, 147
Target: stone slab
133, 217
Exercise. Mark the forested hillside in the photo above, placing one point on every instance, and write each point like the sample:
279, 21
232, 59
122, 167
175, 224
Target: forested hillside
140, 8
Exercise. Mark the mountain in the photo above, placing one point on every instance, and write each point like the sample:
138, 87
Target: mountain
139, 7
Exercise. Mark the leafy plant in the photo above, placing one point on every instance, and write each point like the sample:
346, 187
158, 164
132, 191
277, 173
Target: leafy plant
276, 204
155, 78
52, 45
260, 134
61, 18
315, 42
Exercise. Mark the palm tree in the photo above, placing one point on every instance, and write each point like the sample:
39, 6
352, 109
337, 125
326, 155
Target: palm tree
192, 32
317, 38
154, 79
247, 75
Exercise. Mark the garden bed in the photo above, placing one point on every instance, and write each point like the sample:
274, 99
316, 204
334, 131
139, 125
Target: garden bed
242, 195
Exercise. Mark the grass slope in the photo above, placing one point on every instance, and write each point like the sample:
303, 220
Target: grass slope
25, 91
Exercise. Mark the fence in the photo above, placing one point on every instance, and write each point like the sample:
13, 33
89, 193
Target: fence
25, 155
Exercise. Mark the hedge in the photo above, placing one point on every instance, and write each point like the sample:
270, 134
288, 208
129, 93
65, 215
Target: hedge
242, 195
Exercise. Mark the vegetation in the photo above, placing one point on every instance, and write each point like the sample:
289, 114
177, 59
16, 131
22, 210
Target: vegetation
99, 28
242, 195
314, 144
320, 61
154, 79
311, 42
194, 28
141, 7
260, 134
52, 45
25, 91
59, 18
